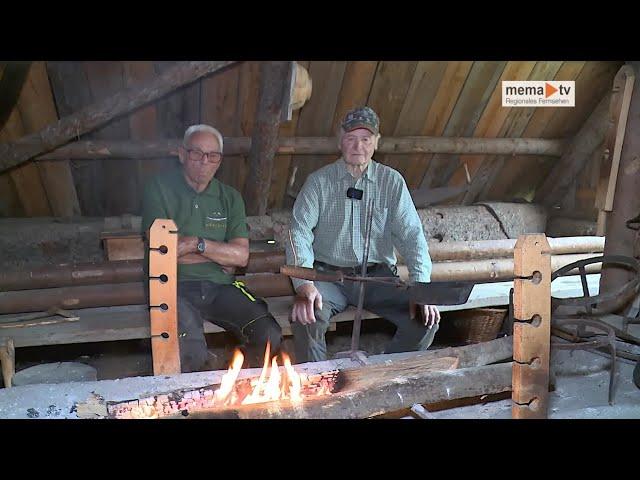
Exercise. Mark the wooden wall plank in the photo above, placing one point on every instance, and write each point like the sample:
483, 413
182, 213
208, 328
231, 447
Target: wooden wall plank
594, 80
247, 105
477, 89
439, 112
282, 163
171, 110
219, 103
26, 178
514, 126
9, 201
317, 116
176, 112
424, 85
122, 193
71, 93
37, 110
388, 93
536, 126
354, 92
492, 120
143, 123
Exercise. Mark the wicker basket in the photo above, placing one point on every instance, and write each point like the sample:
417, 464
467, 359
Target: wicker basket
473, 326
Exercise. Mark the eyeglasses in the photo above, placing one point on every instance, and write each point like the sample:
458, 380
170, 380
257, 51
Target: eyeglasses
198, 156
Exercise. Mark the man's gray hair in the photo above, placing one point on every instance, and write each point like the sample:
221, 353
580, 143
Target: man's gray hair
202, 128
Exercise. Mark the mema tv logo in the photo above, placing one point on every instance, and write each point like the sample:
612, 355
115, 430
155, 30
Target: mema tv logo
539, 94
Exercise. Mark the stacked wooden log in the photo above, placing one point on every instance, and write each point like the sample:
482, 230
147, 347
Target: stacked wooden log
122, 283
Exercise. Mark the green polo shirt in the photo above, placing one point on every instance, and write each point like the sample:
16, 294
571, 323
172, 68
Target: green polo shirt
216, 213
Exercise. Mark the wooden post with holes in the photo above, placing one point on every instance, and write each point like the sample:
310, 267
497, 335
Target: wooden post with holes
532, 327
163, 296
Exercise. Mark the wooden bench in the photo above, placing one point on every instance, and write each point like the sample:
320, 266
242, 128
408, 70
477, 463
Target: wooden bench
108, 324
132, 322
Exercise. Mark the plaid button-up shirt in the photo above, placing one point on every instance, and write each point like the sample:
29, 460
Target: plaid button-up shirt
329, 227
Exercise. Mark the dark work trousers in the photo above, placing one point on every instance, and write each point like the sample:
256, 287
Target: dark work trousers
387, 301
231, 307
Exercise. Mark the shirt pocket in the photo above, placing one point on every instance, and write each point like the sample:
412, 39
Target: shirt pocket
379, 222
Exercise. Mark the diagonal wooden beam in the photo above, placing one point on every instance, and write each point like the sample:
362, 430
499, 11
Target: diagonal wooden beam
37, 109
93, 116
575, 157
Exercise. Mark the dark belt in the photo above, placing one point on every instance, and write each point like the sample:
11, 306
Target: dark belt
357, 270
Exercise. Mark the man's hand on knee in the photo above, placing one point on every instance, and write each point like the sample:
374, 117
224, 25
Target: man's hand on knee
429, 313
307, 299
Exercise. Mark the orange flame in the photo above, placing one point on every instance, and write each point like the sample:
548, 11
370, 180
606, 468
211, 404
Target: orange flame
229, 379
295, 383
271, 385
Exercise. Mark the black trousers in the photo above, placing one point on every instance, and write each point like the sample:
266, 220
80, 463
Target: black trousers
231, 307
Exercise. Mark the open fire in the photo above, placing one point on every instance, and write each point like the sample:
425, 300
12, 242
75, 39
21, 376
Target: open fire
269, 386
274, 384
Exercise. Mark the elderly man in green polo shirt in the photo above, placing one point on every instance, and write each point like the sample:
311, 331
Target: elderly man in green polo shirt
327, 233
212, 242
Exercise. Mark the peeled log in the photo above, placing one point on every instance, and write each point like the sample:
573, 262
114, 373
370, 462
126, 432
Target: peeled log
98, 273
72, 297
486, 249
476, 354
93, 273
500, 269
262, 284
89, 296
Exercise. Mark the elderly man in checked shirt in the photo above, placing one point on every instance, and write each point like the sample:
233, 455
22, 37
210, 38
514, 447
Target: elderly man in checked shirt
327, 233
